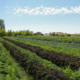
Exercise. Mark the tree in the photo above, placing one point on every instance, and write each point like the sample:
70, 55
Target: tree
9, 33
28, 33
20, 32
68, 35
2, 25
52, 34
57, 34
38, 33
2, 32
62, 35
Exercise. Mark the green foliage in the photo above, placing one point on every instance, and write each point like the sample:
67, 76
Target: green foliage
2, 25
38, 34
28, 33
68, 35
9, 70
7, 77
2, 32
52, 34
9, 33
62, 35
57, 34
14, 33
19, 33
59, 47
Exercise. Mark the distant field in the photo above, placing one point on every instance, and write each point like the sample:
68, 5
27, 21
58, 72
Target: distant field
70, 39
65, 47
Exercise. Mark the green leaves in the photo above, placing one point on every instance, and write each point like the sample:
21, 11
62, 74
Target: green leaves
8, 70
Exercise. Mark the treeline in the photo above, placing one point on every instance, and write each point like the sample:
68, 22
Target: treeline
26, 33
57, 34
18, 33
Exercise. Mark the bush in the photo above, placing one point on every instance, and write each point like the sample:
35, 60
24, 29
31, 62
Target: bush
9, 33
14, 33
68, 35
20, 33
57, 34
28, 33
2, 32
38, 33
52, 34
62, 35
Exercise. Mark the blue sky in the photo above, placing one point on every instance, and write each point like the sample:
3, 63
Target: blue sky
41, 15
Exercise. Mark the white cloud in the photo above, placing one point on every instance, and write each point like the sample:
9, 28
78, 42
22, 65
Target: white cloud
76, 9
46, 10
6, 6
7, 12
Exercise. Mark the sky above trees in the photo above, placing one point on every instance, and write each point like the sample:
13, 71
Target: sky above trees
41, 15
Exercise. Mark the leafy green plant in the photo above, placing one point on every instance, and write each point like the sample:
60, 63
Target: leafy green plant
8, 69
68, 49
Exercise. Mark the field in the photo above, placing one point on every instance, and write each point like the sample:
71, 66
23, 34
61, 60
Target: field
45, 58
9, 68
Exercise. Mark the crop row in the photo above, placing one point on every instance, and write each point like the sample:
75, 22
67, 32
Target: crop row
8, 70
70, 74
66, 48
34, 67
50, 38
60, 59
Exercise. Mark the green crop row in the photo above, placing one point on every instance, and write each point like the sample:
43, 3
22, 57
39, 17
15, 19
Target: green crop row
68, 72
66, 48
9, 70
60, 59
65, 39
29, 61
33, 55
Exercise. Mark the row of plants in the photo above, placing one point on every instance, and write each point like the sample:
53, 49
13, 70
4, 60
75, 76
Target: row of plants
8, 69
70, 74
32, 55
60, 59
52, 38
34, 67
66, 48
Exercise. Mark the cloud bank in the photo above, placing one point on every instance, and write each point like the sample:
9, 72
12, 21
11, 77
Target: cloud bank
45, 10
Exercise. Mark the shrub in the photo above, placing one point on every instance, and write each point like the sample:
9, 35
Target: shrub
2, 32
9, 33
38, 33
62, 35
68, 35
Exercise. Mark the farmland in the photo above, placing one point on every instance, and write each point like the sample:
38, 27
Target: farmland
9, 68
68, 48
55, 38
46, 58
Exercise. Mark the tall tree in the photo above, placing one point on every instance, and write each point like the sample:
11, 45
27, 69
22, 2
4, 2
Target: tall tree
2, 25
